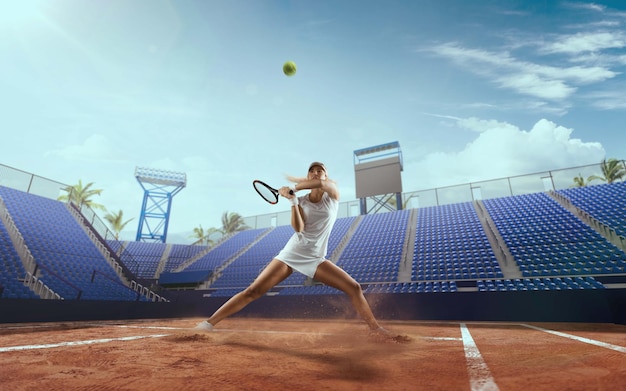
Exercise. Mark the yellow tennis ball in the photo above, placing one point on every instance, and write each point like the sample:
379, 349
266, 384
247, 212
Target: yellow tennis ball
289, 68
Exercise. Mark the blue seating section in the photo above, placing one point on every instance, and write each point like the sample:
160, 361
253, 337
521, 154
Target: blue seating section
114, 244
451, 244
145, 258
606, 203
12, 269
180, 253
547, 240
340, 229
249, 264
226, 250
247, 267
413, 287
552, 247
226, 292
394, 287
309, 290
374, 252
66, 255
538, 284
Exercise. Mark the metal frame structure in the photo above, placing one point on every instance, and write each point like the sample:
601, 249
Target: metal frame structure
159, 187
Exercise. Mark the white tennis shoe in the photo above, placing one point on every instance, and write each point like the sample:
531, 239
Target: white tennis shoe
204, 326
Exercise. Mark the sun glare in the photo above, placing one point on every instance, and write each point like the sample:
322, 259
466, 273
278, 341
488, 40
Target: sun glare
17, 12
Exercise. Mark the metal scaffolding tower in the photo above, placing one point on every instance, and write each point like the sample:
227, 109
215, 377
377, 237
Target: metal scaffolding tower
159, 188
377, 172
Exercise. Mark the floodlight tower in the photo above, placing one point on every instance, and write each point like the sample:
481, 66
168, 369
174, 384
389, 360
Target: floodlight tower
377, 173
159, 187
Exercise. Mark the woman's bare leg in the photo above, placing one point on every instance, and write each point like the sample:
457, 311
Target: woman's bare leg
332, 275
275, 272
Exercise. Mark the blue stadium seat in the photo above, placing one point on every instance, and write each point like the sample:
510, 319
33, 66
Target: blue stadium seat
66, 255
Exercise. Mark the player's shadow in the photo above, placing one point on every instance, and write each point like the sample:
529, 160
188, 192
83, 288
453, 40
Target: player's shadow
361, 363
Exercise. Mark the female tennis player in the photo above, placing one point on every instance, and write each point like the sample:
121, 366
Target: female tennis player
312, 218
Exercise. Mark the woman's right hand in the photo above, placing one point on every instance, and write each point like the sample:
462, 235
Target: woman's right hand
284, 191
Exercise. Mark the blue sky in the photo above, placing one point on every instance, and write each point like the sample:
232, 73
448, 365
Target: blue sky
472, 90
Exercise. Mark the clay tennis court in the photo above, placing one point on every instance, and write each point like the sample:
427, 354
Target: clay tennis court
275, 354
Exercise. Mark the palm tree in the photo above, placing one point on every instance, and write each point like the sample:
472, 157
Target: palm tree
79, 195
612, 171
198, 233
115, 221
203, 236
579, 181
392, 202
232, 222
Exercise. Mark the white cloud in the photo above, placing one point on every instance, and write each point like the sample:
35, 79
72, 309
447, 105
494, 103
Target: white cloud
481, 125
542, 81
530, 105
585, 42
608, 100
534, 85
544, 107
501, 150
586, 6
579, 74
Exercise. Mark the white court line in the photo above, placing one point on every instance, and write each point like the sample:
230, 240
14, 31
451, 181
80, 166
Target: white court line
266, 332
617, 348
19, 327
227, 330
105, 340
77, 343
443, 338
480, 376
275, 332
142, 327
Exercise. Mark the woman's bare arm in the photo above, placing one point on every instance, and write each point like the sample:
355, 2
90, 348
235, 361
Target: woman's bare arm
328, 186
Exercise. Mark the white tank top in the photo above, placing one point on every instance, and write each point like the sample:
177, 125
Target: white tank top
307, 249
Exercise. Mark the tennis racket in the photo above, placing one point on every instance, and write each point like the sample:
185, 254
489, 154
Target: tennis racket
267, 192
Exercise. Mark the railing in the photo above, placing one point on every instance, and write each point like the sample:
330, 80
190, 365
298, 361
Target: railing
89, 219
604, 229
30, 183
473, 191
52, 273
28, 261
34, 184
16, 237
503, 187
41, 289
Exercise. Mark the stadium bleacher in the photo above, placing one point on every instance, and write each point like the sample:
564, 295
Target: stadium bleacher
147, 257
548, 240
451, 244
11, 270
68, 261
605, 202
243, 270
374, 252
438, 249
180, 253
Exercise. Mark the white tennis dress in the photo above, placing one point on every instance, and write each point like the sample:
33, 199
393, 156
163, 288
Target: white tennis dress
307, 249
